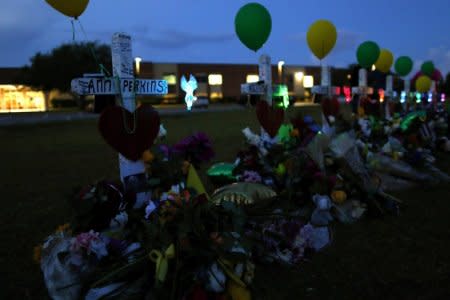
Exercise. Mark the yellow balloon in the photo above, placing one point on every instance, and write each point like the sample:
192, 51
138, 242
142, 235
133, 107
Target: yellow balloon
384, 61
321, 38
70, 8
423, 84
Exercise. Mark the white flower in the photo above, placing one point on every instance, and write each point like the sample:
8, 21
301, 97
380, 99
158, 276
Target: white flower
98, 247
162, 131
149, 209
216, 279
119, 221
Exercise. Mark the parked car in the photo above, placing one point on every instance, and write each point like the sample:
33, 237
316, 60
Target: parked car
201, 103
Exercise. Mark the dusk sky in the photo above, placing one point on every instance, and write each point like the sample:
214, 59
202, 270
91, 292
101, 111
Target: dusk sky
203, 30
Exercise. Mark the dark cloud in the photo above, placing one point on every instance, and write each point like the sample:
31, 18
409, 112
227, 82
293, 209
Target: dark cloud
175, 39
165, 39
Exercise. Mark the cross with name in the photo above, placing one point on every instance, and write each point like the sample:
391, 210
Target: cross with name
124, 85
325, 87
362, 89
264, 85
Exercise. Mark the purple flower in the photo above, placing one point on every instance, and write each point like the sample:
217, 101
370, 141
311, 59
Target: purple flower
251, 176
89, 242
166, 151
196, 148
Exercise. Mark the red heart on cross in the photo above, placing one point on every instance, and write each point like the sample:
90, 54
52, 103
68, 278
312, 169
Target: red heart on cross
269, 117
130, 142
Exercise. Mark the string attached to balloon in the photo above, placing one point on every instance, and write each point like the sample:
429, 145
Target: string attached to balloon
73, 29
74, 9
102, 68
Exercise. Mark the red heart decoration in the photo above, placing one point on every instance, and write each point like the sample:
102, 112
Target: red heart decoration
270, 118
131, 145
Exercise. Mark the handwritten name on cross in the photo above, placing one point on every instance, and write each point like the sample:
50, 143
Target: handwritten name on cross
325, 87
127, 87
264, 85
92, 85
362, 88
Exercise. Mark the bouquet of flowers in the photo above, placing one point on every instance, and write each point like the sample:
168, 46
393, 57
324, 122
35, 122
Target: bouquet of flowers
178, 245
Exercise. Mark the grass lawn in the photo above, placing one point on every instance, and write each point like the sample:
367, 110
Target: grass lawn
406, 257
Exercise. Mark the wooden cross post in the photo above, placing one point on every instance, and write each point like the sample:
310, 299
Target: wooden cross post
264, 85
265, 74
362, 89
389, 95
405, 97
125, 87
325, 87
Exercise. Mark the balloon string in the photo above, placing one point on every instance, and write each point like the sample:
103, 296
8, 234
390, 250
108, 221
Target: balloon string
91, 49
73, 30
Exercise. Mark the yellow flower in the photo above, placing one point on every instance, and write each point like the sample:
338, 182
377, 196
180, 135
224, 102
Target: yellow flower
237, 292
37, 251
148, 156
63, 228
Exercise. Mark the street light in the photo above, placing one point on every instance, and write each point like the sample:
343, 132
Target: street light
137, 62
280, 71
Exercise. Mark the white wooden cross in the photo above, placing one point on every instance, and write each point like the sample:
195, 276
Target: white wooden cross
264, 85
362, 88
389, 95
122, 84
325, 87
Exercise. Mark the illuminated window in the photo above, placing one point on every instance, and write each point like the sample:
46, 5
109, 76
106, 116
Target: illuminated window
215, 79
170, 78
298, 76
216, 95
308, 81
215, 92
252, 78
19, 98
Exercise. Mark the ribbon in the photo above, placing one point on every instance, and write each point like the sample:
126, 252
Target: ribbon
162, 262
226, 267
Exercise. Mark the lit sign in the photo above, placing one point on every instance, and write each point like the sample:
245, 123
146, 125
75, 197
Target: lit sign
381, 94
430, 97
282, 91
418, 97
347, 93
189, 87
402, 97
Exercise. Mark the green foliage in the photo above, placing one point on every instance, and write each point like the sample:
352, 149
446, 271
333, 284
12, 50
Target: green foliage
55, 69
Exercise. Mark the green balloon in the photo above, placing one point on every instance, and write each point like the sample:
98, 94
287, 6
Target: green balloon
403, 65
367, 54
253, 25
427, 68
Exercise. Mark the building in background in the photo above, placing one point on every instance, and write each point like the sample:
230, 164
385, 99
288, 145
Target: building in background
217, 82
